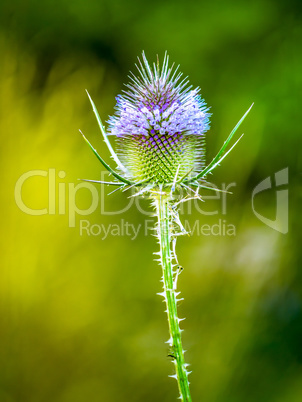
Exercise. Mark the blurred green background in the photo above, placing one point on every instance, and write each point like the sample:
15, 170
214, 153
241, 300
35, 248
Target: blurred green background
79, 316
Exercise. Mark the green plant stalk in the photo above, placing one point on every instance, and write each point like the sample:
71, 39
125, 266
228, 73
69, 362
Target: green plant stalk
164, 232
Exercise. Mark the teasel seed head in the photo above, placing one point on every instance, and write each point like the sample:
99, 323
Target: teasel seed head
159, 124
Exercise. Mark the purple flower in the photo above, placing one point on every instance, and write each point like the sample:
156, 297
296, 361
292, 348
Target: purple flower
158, 101
159, 123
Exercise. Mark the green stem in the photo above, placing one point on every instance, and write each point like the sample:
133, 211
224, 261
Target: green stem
170, 294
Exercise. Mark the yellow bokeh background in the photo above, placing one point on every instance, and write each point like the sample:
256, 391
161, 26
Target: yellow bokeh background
79, 316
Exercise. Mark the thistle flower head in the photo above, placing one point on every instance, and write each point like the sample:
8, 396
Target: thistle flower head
159, 123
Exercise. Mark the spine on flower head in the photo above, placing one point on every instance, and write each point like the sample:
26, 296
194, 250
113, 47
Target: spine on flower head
160, 122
